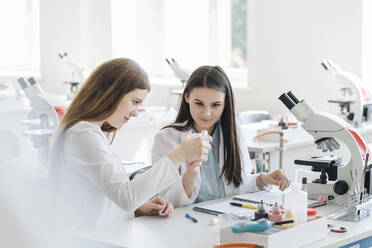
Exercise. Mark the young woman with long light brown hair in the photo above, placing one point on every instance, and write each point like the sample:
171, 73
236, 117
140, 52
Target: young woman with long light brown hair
91, 184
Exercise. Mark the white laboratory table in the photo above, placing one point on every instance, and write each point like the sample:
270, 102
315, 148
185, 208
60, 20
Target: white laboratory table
263, 146
267, 147
178, 231
300, 145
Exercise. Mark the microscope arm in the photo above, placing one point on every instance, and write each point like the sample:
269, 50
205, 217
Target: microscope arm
181, 73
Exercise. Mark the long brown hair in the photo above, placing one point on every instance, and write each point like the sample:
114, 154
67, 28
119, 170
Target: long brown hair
100, 95
97, 99
214, 77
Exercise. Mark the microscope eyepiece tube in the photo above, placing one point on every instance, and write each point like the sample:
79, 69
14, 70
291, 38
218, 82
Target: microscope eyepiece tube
35, 87
287, 101
293, 97
31, 80
325, 65
22, 82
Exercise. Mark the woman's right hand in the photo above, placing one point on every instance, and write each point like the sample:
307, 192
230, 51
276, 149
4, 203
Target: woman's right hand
193, 149
156, 206
196, 148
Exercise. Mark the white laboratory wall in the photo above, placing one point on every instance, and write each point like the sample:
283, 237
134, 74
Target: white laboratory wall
81, 28
287, 41
137, 31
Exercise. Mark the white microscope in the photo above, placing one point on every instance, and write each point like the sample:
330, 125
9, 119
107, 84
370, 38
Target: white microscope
356, 101
79, 73
350, 180
46, 112
182, 74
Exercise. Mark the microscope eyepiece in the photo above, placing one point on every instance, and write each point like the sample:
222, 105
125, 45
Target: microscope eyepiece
22, 82
293, 97
287, 101
327, 65
31, 80
324, 65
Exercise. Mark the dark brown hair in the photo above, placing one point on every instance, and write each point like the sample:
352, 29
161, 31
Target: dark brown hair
214, 77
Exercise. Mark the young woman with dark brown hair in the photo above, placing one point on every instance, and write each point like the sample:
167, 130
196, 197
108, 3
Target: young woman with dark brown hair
208, 104
91, 184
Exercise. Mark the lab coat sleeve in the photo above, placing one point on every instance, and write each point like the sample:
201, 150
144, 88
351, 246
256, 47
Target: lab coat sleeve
164, 142
176, 194
249, 180
162, 146
99, 165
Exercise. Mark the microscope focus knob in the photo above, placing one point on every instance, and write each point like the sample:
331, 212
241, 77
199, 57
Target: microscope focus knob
341, 187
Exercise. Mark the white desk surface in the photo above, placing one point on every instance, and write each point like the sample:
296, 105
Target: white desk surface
263, 147
178, 231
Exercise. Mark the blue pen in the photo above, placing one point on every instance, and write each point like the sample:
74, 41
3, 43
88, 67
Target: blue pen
191, 218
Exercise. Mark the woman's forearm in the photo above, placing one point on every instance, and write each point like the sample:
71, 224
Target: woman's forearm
188, 180
176, 156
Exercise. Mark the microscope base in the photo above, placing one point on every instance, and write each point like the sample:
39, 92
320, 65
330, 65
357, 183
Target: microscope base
316, 190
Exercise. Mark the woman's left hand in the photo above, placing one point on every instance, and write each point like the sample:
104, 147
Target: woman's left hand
156, 206
276, 177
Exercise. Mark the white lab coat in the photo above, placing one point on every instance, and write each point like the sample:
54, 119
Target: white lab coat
92, 185
169, 138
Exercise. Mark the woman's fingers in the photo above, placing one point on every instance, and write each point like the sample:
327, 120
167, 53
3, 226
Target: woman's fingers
193, 148
196, 148
161, 206
156, 206
195, 163
288, 183
272, 180
205, 151
278, 178
152, 208
160, 203
207, 145
159, 200
284, 181
169, 209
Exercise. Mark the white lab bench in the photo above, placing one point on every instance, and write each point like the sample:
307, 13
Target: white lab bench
178, 231
295, 148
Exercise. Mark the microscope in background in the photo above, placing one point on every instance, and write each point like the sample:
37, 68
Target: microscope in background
79, 73
356, 101
46, 112
350, 181
182, 74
